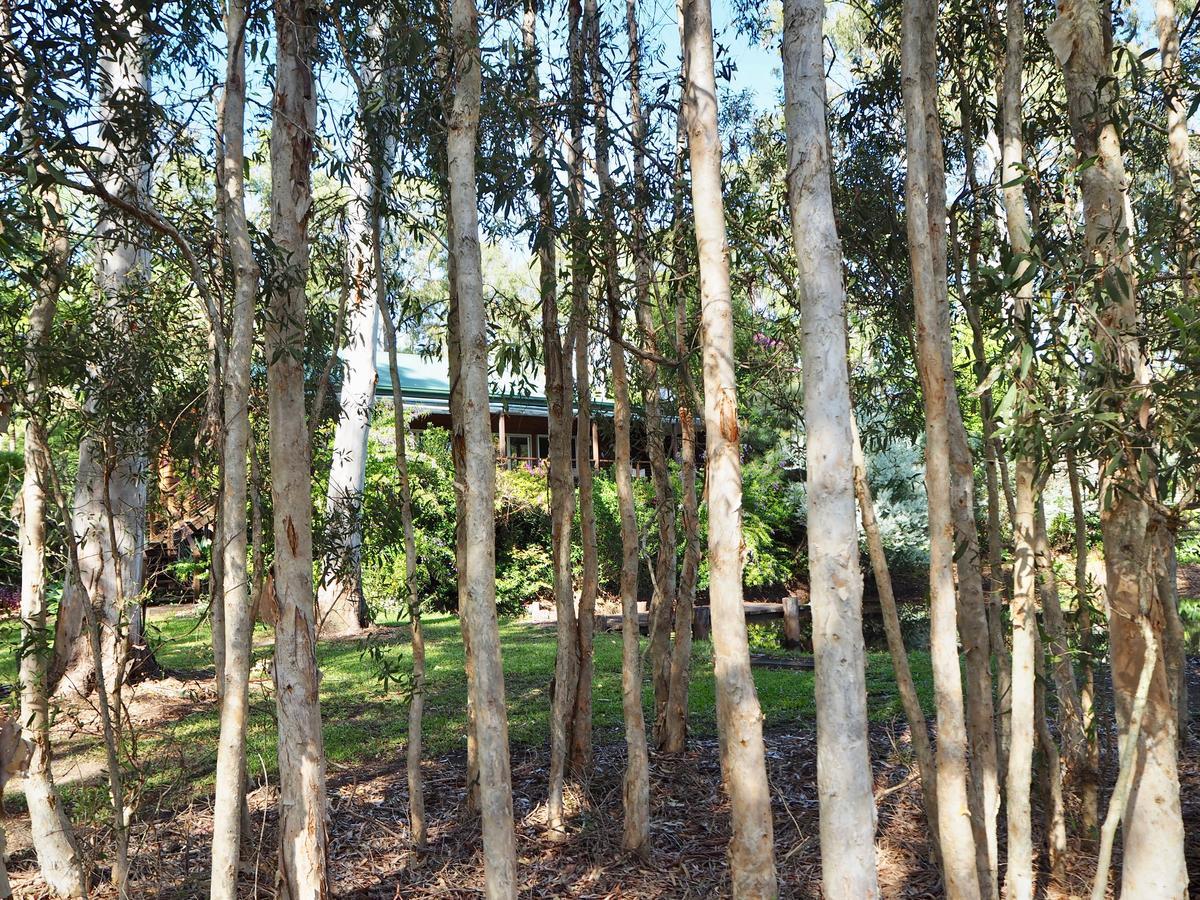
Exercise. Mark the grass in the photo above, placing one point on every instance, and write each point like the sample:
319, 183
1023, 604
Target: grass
364, 715
366, 719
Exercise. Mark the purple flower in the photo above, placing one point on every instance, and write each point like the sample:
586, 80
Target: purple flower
765, 340
10, 600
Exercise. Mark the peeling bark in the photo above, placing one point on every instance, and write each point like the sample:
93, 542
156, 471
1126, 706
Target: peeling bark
739, 718
303, 842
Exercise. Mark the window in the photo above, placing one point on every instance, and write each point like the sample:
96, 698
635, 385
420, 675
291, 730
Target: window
543, 446
520, 447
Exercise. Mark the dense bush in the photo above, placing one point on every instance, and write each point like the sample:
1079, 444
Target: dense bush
11, 466
774, 513
431, 475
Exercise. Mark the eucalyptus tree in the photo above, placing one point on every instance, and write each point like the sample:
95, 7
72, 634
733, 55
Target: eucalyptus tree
52, 832
636, 790
236, 596
580, 728
739, 718
663, 602
925, 197
671, 721
844, 779
1130, 516
109, 507
1019, 878
303, 841
340, 603
559, 351
485, 674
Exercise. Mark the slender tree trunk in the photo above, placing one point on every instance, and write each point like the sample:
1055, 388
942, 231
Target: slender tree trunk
973, 625
122, 267
1129, 759
458, 450
111, 740
1179, 157
917, 727
671, 725
636, 835
303, 842
739, 718
559, 385
926, 236
665, 584
1174, 639
53, 835
976, 639
1054, 802
416, 707
1153, 861
340, 603
844, 779
995, 580
581, 717
1019, 883
674, 731
1090, 777
216, 560
1026, 725
485, 675
984, 629
1070, 711
236, 599
580, 725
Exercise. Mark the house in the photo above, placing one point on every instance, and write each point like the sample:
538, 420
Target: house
520, 417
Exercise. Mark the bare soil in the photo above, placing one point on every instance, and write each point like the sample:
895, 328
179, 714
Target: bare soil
371, 856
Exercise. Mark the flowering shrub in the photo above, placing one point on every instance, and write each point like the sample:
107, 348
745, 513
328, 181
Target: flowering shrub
10, 601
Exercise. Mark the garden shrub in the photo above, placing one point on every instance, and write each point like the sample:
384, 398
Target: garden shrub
12, 465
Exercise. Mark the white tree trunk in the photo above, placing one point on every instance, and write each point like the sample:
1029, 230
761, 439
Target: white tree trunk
909, 698
53, 835
122, 266
1153, 862
1179, 160
739, 718
1179, 156
340, 604
486, 675
844, 779
236, 598
303, 843
1019, 879
672, 732
925, 198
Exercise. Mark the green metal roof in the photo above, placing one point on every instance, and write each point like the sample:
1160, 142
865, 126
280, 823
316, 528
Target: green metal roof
426, 388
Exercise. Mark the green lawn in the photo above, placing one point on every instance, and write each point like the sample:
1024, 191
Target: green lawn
363, 722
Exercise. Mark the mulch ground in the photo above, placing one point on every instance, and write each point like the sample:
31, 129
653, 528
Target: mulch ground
371, 857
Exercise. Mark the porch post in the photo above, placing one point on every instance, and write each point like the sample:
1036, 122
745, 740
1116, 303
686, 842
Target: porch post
502, 450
